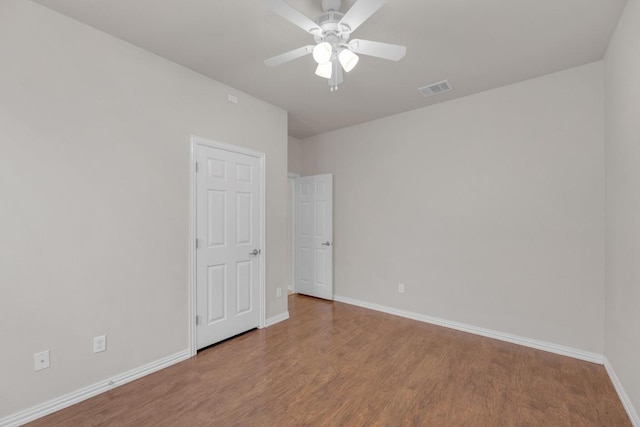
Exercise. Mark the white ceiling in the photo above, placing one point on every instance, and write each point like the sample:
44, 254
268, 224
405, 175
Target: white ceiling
476, 44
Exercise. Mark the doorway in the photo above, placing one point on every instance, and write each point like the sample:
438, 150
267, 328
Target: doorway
313, 236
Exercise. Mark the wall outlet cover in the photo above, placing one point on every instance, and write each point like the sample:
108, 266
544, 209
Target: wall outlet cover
99, 343
41, 360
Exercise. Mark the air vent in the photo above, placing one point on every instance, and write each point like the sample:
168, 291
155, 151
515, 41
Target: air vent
436, 88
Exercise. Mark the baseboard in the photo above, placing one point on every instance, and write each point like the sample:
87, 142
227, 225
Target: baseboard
85, 393
622, 394
514, 339
276, 319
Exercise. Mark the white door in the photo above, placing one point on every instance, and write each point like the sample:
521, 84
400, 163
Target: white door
228, 254
314, 236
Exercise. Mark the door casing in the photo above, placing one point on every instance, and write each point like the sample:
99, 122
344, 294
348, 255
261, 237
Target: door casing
195, 141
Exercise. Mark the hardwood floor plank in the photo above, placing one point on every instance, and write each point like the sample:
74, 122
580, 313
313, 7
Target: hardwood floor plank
333, 364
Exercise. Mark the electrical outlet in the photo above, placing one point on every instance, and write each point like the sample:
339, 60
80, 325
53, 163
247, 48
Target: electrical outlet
279, 292
41, 360
99, 343
401, 288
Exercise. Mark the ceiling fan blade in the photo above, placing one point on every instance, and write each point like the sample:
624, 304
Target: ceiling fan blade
392, 52
285, 10
360, 12
289, 56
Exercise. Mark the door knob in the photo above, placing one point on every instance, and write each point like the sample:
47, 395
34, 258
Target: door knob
326, 243
255, 252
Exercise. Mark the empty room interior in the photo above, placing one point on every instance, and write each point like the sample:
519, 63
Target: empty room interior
320, 212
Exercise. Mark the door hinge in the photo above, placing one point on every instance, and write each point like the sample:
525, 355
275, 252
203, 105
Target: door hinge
197, 167
197, 243
197, 320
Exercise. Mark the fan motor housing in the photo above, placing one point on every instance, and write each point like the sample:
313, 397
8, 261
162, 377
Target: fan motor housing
329, 17
330, 24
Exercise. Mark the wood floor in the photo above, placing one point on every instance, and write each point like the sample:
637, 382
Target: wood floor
333, 364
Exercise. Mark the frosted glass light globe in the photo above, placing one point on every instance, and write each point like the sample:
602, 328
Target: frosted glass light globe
325, 70
322, 52
348, 60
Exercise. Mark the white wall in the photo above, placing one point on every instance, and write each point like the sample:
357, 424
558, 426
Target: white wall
489, 208
295, 155
94, 209
295, 166
622, 70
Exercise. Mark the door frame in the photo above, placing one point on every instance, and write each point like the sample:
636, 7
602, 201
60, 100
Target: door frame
200, 141
292, 229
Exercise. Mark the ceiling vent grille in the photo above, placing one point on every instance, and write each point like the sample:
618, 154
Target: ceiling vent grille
436, 88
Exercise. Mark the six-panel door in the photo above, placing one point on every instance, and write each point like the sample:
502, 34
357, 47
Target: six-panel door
228, 254
314, 236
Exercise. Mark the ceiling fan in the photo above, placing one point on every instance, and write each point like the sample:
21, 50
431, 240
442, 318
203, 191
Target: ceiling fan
333, 51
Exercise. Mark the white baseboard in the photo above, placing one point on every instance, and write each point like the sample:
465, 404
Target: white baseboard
85, 393
514, 339
276, 319
622, 394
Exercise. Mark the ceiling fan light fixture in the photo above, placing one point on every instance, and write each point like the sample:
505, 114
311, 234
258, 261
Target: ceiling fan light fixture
348, 60
334, 53
325, 70
322, 52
